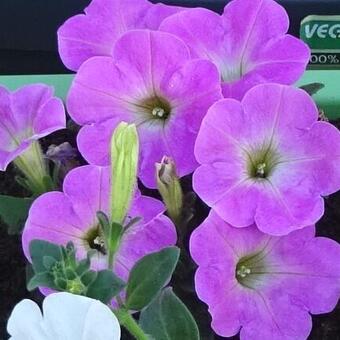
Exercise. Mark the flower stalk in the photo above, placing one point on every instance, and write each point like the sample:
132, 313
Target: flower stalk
32, 165
126, 320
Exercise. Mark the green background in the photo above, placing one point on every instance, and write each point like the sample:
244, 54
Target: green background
327, 99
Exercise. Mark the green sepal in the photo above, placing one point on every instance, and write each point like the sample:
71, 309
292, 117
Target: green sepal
116, 234
104, 223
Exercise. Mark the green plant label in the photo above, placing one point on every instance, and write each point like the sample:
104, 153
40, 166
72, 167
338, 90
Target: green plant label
322, 35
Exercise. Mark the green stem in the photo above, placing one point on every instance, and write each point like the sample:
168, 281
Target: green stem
110, 259
127, 321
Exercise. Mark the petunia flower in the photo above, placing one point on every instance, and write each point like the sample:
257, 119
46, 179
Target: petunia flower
151, 81
248, 43
26, 115
95, 32
65, 316
264, 286
71, 215
267, 160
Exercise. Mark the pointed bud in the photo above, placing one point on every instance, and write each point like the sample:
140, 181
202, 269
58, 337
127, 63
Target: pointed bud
170, 188
124, 164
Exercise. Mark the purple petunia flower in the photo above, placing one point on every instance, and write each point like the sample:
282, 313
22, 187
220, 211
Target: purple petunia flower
95, 32
26, 115
261, 285
60, 217
248, 43
267, 160
150, 81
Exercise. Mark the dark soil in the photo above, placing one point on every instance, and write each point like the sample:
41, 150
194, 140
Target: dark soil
13, 263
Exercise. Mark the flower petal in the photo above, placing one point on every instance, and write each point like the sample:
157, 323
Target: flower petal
27, 114
25, 321
145, 55
88, 189
78, 317
101, 91
104, 22
247, 52
99, 152
52, 218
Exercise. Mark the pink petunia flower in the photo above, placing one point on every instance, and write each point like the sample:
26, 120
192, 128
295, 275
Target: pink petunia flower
248, 43
267, 160
61, 217
261, 285
151, 81
26, 115
95, 32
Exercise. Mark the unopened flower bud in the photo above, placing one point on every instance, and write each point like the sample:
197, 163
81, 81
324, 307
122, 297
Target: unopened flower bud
170, 188
124, 163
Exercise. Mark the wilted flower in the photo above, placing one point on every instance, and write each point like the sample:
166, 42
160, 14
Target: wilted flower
95, 32
150, 81
65, 316
248, 43
61, 154
261, 285
61, 217
27, 115
267, 160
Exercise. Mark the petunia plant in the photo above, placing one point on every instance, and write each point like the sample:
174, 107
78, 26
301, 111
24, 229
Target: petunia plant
204, 170
151, 81
272, 283
95, 32
27, 115
248, 43
272, 162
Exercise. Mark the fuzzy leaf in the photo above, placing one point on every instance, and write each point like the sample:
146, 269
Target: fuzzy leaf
40, 249
43, 279
106, 286
14, 212
167, 318
149, 275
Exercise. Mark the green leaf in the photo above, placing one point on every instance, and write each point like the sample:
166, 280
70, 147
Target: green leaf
83, 266
312, 88
88, 277
48, 183
43, 279
39, 250
149, 275
49, 262
167, 318
14, 212
106, 286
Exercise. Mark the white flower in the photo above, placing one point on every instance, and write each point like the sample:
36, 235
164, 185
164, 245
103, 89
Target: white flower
65, 317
